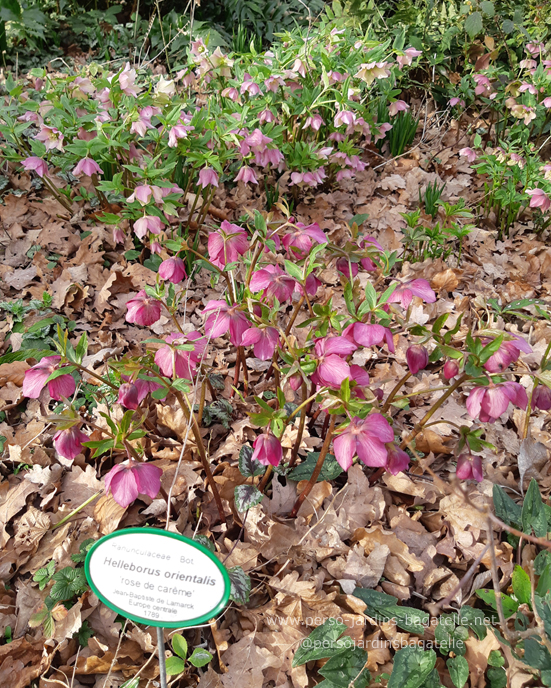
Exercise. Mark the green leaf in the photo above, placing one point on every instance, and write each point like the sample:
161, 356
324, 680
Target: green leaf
537, 655
459, 670
247, 467
65, 370
204, 540
508, 26
510, 605
179, 645
347, 668
506, 509
381, 606
240, 585
181, 385
200, 657
132, 683
174, 666
473, 24
473, 619
487, 7
542, 561
522, 587
68, 583
329, 471
412, 666
82, 347
534, 516
320, 643
370, 296
247, 496
44, 575
293, 270
496, 659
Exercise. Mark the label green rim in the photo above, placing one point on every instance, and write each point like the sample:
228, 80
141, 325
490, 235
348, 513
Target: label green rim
150, 622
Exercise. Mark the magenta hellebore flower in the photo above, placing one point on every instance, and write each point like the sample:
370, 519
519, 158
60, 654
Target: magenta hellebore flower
35, 380
367, 439
539, 199
88, 167
398, 459
267, 450
489, 403
68, 443
417, 358
541, 398
507, 353
274, 281
469, 467
174, 362
223, 318
128, 396
143, 309
226, 245
299, 242
451, 369
128, 480
332, 368
263, 341
173, 269
367, 334
37, 164
207, 177
404, 293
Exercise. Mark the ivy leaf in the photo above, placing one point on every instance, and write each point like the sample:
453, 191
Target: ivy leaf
459, 670
247, 467
200, 657
240, 585
247, 496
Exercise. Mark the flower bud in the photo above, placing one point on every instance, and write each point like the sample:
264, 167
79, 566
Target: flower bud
541, 398
417, 358
128, 396
451, 369
397, 459
469, 467
267, 450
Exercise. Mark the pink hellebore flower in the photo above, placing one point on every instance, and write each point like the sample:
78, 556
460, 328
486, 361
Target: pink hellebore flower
173, 269
367, 439
143, 309
546, 102
451, 369
231, 93
51, 137
223, 318
407, 57
398, 459
35, 380
274, 281
150, 223
370, 335
314, 122
68, 443
226, 245
179, 131
539, 199
397, 106
128, 396
468, 153
489, 403
257, 141
332, 368
142, 194
267, 450
469, 467
483, 85
373, 70
208, 177
457, 101
417, 358
246, 175
88, 167
37, 164
508, 353
174, 362
263, 341
249, 86
126, 81
299, 242
541, 398
404, 293
126, 481
345, 117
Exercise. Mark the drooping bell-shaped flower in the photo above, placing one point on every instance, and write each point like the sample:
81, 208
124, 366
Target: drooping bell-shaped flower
263, 341
128, 396
451, 369
469, 467
207, 177
68, 442
541, 398
35, 380
180, 363
417, 358
127, 480
267, 450
404, 293
37, 164
332, 368
365, 438
274, 282
489, 403
223, 318
143, 309
507, 353
173, 269
226, 245
88, 167
398, 459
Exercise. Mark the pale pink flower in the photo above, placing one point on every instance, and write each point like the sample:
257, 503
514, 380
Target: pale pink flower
181, 363
223, 318
267, 450
179, 131
396, 107
35, 380
366, 439
525, 86
546, 102
407, 58
88, 167
263, 341
231, 93
373, 70
273, 82
469, 467
257, 141
249, 86
207, 177
274, 282
535, 48
489, 403
332, 368
300, 67
142, 194
51, 137
483, 85
266, 116
118, 235
539, 199
226, 245
246, 175
68, 443
457, 101
381, 130
143, 309
37, 164
127, 480
468, 153
126, 81
173, 269
345, 117
150, 223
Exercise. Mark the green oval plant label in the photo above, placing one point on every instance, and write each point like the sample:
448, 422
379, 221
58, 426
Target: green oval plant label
157, 578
